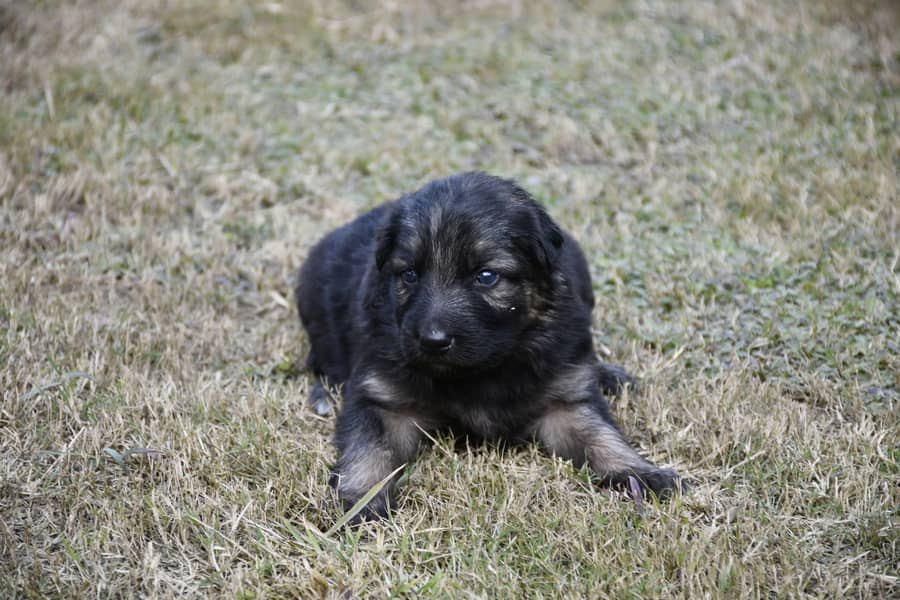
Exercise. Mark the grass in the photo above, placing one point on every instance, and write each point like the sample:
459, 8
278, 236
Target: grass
730, 168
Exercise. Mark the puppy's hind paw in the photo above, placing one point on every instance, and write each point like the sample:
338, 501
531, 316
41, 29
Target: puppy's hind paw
613, 379
320, 400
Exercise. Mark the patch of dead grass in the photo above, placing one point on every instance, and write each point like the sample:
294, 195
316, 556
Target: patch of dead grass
730, 168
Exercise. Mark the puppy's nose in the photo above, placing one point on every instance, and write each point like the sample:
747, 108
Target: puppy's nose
435, 340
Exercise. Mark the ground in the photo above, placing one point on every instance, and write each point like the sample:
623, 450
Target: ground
731, 169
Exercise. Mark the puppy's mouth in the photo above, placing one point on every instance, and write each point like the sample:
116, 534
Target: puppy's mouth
436, 370
452, 363
431, 361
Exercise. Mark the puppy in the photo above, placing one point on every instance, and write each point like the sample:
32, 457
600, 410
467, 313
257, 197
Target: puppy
459, 307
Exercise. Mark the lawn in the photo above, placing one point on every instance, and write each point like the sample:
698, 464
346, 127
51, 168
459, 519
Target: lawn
731, 169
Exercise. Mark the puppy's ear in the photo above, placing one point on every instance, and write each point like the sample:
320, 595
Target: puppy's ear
385, 238
549, 241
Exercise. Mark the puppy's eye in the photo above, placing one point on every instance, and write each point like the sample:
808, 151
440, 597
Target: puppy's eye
409, 276
487, 278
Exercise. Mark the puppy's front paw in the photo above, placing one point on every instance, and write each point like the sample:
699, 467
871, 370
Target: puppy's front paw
661, 481
376, 509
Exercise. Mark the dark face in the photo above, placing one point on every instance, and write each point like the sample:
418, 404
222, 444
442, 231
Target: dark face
467, 263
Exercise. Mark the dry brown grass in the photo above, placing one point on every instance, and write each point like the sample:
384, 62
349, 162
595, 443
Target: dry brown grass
731, 168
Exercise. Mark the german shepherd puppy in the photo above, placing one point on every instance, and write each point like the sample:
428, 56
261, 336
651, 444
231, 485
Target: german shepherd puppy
459, 307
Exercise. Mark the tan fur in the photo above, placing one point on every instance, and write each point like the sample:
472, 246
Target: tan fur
380, 389
573, 384
501, 296
578, 433
478, 422
367, 465
498, 261
364, 467
442, 257
404, 432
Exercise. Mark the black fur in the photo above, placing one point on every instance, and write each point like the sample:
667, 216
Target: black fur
404, 313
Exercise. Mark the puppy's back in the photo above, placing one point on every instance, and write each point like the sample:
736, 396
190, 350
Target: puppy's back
327, 288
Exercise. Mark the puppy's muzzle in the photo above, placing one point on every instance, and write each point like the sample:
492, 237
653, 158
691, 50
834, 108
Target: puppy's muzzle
435, 340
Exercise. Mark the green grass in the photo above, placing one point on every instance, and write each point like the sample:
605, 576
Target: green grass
731, 170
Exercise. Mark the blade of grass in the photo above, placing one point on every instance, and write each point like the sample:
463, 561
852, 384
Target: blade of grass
362, 502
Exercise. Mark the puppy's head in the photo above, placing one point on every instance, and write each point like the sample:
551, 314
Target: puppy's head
468, 262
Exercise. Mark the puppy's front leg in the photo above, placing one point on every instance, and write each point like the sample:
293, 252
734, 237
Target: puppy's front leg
372, 443
583, 432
